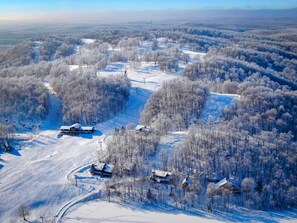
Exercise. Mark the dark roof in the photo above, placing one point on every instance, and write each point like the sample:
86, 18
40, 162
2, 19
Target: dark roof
103, 167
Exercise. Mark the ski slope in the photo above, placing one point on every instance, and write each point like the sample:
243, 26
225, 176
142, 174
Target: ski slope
36, 50
41, 173
214, 106
36, 173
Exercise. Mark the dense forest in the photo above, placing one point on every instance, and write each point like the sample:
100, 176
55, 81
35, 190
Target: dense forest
253, 143
255, 137
175, 106
129, 147
22, 99
90, 99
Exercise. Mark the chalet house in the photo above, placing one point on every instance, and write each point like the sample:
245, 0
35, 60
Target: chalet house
76, 129
129, 167
185, 183
102, 169
161, 176
227, 184
142, 128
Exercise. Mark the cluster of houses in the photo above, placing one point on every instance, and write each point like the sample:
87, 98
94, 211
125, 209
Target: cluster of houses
165, 177
158, 176
232, 186
76, 129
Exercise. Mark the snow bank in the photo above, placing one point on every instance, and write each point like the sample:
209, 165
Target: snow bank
88, 41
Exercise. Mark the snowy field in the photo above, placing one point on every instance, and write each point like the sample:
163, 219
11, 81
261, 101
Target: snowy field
42, 172
36, 50
110, 212
214, 106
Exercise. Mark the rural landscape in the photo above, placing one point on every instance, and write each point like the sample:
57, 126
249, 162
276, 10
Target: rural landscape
187, 120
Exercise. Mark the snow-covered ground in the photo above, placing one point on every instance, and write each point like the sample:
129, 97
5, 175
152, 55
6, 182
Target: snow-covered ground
101, 211
88, 41
109, 212
36, 49
77, 48
195, 55
214, 106
41, 173
54, 118
36, 174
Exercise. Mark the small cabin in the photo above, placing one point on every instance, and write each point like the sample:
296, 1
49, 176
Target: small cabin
142, 128
227, 184
129, 167
185, 183
161, 176
102, 169
76, 129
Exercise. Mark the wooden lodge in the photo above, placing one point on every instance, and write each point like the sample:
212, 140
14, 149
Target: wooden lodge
129, 168
142, 128
161, 176
185, 183
76, 129
227, 184
102, 169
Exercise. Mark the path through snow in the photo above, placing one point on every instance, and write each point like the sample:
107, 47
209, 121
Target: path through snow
214, 106
36, 174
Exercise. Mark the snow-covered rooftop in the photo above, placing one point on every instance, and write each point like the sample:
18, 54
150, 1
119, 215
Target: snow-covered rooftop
225, 181
108, 168
87, 128
99, 166
76, 126
142, 127
161, 173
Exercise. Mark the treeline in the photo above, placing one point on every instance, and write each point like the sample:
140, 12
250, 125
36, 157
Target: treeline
91, 55
40, 71
264, 109
256, 135
22, 99
129, 147
19, 55
175, 106
50, 48
227, 69
90, 99
54, 48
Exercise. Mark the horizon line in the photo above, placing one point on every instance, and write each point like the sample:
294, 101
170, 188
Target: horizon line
136, 15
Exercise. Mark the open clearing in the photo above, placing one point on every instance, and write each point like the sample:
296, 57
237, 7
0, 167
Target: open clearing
41, 172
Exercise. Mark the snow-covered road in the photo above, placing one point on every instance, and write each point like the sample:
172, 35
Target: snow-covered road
36, 175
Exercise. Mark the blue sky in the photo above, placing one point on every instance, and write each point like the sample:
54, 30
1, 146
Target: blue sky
49, 6
99, 10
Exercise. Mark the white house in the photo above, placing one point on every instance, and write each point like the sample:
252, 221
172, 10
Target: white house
161, 176
142, 128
